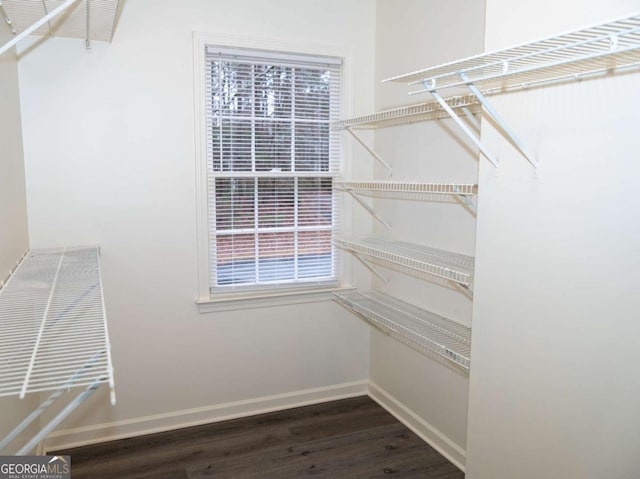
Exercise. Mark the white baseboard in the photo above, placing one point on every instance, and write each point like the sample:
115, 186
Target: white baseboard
83, 436
423, 429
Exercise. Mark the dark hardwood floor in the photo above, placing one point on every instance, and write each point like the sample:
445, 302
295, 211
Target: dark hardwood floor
351, 438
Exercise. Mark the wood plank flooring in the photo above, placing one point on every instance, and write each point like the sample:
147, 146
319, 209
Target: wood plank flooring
351, 438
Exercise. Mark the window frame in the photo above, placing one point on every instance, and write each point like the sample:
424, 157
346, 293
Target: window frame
280, 294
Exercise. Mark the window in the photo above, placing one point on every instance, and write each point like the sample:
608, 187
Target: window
272, 160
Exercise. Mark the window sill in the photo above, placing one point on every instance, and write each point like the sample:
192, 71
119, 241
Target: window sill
233, 303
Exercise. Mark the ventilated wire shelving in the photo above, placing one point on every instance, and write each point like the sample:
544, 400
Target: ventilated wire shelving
54, 329
454, 267
417, 327
410, 114
382, 186
590, 50
611, 46
407, 190
86, 19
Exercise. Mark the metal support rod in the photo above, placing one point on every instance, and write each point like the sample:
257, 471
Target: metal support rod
112, 387
46, 12
472, 119
8, 278
465, 199
368, 266
44, 432
369, 209
87, 41
465, 128
36, 25
370, 151
498, 119
50, 400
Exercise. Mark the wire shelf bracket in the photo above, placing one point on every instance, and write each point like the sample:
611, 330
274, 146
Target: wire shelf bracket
369, 209
54, 332
370, 267
460, 122
466, 201
475, 138
370, 150
500, 121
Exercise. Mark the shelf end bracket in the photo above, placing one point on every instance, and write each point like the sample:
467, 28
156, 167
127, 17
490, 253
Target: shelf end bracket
463, 289
465, 199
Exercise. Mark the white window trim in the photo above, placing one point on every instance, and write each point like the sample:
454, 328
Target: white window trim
281, 296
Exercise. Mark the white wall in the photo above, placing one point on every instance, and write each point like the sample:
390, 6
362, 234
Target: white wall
14, 238
555, 382
413, 34
109, 147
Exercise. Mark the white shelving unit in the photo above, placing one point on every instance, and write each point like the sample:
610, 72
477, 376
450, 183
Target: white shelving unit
453, 267
86, 19
591, 51
54, 331
405, 322
598, 49
419, 328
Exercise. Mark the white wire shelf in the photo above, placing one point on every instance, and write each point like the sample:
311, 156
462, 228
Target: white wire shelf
440, 263
86, 19
53, 323
414, 326
431, 110
71, 23
381, 186
596, 49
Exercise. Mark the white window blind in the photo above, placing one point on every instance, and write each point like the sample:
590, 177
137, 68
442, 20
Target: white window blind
272, 160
